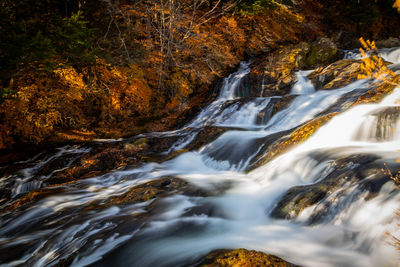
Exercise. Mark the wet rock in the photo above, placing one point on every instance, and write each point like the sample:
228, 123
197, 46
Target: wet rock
115, 156
376, 94
345, 102
362, 95
338, 74
249, 86
334, 191
274, 106
242, 257
207, 135
321, 52
384, 122
279, 143
275, 74
102, 158
154, 189
31, 197
92, 165
205, 209
268, 144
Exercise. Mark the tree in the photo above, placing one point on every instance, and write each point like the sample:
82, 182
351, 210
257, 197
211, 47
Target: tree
397, 5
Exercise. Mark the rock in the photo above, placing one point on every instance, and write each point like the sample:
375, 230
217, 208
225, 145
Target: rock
388, 43
278, 143
274, 106
376, 94
338, 74
242, 257
342, 174
275, 73
321, 52
97, 162
32, 196
207, 135
249, 86
384, 127
106, 157
159, 188
387, 120
362, 95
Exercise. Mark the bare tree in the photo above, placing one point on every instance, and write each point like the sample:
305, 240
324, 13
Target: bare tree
175, 21
169, 25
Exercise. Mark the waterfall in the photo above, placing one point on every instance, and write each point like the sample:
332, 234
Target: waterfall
324, 202
303, 84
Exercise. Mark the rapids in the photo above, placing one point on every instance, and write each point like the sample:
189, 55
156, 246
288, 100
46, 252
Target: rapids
347, 226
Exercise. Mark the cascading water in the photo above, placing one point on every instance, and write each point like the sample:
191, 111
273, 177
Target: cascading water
344, 224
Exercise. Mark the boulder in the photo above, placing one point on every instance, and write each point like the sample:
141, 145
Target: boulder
159, 188
207, 135
343, 173
281, 142
376, 94
275, 73
383, 127
274, 106
320, 52
242, 257
338, 74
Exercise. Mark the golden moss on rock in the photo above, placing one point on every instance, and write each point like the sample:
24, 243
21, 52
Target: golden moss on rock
338, 74
277, 70
301, 134
159, 188
243, 258
375, 95
150, 190
31, 197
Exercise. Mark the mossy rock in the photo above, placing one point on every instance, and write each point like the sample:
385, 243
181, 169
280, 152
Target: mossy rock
243, 258
155, 189
376, 94
276, 72
275, 145
338, 74
321, 52
31, 197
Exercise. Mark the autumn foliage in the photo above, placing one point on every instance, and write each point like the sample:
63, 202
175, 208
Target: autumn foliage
90, 69
85, 71
373, 66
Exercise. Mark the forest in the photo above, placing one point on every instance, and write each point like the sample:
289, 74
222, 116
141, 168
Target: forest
79, 70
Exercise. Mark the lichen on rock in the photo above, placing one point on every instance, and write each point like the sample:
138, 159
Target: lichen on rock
276, 71
289, 140
243, 258
338, 74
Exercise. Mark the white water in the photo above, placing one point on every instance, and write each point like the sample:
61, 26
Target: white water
353, 237
230, 85
352, 234
303, 85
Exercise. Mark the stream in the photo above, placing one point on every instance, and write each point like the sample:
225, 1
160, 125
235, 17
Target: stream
347, 203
